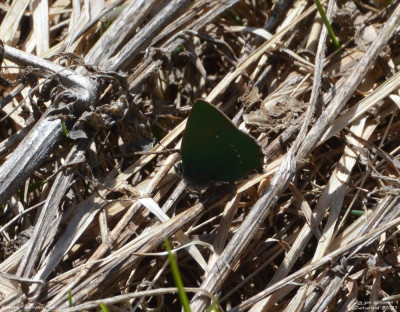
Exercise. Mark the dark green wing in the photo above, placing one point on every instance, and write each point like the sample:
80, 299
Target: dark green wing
213, 148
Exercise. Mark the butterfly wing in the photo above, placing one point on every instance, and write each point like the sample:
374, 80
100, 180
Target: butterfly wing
213, 148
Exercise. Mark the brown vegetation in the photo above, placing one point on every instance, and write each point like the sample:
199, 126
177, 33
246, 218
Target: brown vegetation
85, 213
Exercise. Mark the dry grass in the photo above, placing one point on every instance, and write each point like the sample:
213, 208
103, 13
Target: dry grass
316, 231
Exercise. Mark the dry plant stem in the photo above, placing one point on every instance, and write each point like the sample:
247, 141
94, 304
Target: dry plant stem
125, 25
386, 210
290, 15
222, 266
173, 198
151, 206
377, 217
7, 99
223, 85
114, 265
285, 137
224, 227
310, 301
306, 233
47, 132
126, 297
149, 67
362, 241
41, 25
124, 259
142, 40
337, 200
319, 64
333, 195
363, 106
84, 214
272, 252
214, 280
8, 27
91, 23
29, 154
333, 283
19, 216
8, 143
306, 209
11, 265
118, 231
278, 10
12, 277
349, 85
48, 212
44, 229
335, 208
82, 88
65, 243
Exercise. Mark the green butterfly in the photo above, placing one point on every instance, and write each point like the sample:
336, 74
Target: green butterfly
214, 149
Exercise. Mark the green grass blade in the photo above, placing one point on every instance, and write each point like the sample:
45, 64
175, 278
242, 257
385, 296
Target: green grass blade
103, 307
213, 307
354, 212
70, 298
327, 24
65, 130
177, 278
